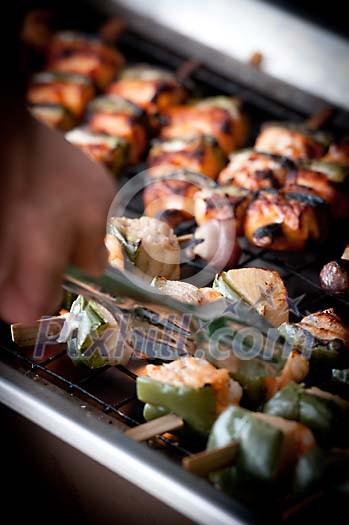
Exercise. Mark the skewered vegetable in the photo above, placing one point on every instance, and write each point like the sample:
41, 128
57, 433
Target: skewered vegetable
219, 117
54, 115
171, 197
68, 90
149, 244
334, 277
262, 289
267, 445
229, 202
323, 335
112, 152
292, 140
153, 89
85, 55
191, 388
197, 153
216, 243
186, 292
91, 332
254, 170
120, 118
321, 411
285, 219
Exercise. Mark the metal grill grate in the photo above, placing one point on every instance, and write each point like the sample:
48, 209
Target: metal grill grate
112, 389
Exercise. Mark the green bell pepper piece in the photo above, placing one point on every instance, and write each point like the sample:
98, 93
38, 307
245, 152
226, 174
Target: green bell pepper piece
151, 412
254, 389
260, 444
196, 406
91, 326
321, 415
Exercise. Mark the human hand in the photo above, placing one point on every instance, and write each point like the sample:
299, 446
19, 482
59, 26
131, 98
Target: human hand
53, 209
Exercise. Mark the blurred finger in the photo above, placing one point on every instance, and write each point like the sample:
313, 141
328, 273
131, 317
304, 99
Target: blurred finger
89, 252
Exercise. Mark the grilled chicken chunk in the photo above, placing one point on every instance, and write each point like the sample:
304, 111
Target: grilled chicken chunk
153, 89
115, 253
149, 244
191, 372
54, 115
112, 152
68, 90
197, 153
118, 117
171, 198
85, 55
228, 202
292, 140
326, 326
220, 117
323, 336
329, 181
256, 171
285, 219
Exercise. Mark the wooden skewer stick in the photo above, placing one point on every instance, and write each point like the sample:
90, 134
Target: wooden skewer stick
185, 237
211, 460
27, 334
187, 69
155, 427
319, 119
112, 29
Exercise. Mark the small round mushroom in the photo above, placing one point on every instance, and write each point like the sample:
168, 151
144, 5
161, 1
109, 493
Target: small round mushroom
334, 277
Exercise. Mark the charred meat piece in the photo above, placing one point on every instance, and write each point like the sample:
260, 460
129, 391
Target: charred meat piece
198, 153
285, 219
171, 198
153, 89
54, 115
149, 244
329, 181
69, 90
334, 276
292, 140
118, 117
220, 117
255, 171
228, 202
112, 152
85, 55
